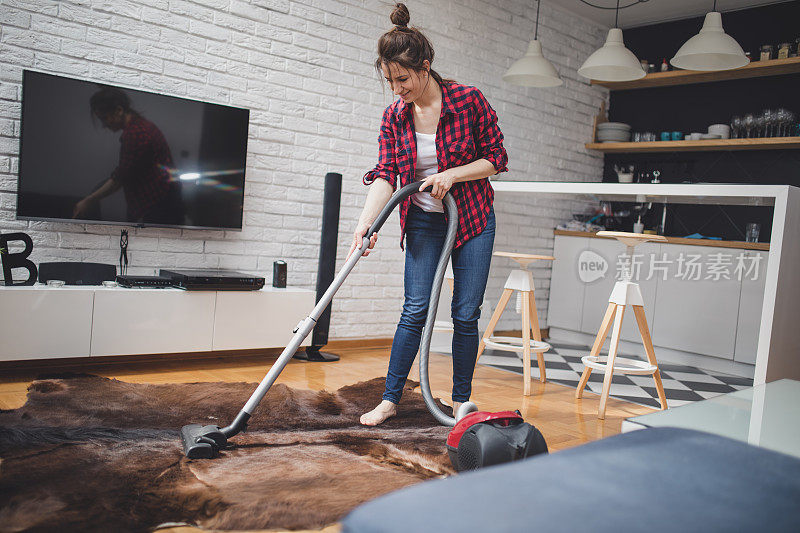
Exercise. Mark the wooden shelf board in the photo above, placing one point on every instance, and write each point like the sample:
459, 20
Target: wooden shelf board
709, 145
756, 69
741, 245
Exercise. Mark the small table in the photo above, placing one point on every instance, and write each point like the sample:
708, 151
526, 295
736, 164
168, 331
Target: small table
765, 415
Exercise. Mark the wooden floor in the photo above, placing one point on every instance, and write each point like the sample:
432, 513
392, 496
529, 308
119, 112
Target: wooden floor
564, 421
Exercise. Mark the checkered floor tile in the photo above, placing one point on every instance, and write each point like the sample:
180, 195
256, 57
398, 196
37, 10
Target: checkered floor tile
682, 384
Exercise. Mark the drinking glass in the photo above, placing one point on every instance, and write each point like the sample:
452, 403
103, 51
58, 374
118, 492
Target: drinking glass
784, 117
752, 231
771, 120
736, 127
749, 122
760, 126
787, 127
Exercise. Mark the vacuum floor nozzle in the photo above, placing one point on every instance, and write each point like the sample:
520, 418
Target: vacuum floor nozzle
202, 442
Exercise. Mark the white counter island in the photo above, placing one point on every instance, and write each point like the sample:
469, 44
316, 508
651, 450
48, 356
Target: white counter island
778, 354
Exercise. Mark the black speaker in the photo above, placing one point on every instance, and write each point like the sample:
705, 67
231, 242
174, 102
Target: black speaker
279, 274
326, 267
77, 273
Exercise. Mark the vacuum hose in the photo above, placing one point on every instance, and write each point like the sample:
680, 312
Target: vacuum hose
438, 279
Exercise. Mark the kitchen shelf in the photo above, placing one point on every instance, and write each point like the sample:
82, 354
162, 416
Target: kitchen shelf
756, 69
709, 145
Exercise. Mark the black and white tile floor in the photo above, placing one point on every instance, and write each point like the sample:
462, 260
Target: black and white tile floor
682, 384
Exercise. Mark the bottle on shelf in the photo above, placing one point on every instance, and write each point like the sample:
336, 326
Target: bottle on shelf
664, 65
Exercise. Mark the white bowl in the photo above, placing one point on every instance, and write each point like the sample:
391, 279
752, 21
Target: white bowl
707, 136
613, 135
614, 126
723, 130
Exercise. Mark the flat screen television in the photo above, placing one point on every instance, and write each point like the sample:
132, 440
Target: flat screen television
98, 153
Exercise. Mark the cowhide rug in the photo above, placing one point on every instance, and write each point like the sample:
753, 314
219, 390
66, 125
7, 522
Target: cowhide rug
87, 453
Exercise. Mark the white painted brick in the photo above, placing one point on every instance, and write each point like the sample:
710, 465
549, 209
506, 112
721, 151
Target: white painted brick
190, 10
224, 247
95, 54
161, 17
138, 61
104, 38
161, 84
210, 31
182, 39
15, 17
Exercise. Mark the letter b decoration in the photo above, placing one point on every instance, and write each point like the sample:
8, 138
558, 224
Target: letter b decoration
17, 259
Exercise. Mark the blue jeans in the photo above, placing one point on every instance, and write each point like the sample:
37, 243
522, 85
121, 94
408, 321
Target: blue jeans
425, 234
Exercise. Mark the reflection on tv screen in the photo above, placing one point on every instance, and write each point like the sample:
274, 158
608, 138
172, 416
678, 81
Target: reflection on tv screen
91, 152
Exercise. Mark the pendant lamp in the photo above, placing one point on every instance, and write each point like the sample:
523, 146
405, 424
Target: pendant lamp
711, 49
533, 70
612, 62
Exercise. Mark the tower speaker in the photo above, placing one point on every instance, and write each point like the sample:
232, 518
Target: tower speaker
326, 267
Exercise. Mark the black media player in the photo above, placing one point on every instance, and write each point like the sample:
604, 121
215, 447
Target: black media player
213, 280
144, 281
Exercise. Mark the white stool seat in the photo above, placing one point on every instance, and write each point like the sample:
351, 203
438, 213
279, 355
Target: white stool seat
515, 344
621, 365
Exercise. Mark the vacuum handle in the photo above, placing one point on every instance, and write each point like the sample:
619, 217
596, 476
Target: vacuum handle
396, 198
307, 325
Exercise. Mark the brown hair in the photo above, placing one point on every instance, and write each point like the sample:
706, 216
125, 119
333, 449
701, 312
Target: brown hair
408, 47
107, 100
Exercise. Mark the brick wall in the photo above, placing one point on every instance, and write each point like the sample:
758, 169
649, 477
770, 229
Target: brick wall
304, 69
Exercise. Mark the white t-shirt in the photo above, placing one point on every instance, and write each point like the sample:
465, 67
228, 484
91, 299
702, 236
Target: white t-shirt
427, 164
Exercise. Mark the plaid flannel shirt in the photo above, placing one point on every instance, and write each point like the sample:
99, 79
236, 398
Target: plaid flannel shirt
143, 169
467, 132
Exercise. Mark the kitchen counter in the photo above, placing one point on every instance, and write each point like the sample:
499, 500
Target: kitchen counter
739, 245
669, 193
777, 356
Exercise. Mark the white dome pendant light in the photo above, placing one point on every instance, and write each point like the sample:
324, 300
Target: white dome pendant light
612, 62
711, 49
533, 70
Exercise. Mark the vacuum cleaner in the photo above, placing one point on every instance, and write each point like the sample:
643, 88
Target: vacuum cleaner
478, 439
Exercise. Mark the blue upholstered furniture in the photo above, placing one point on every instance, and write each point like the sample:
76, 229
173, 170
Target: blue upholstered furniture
652, 480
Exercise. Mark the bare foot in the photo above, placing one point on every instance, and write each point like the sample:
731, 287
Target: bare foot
378, 415
456, 407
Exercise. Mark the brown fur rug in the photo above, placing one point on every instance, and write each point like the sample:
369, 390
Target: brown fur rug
87, 453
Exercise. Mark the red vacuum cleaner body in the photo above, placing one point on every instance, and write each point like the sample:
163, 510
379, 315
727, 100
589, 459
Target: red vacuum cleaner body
483, 439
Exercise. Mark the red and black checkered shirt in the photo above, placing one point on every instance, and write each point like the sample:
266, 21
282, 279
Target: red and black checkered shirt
143, 169
467, 132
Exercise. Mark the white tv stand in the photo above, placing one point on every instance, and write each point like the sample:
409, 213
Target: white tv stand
43, 322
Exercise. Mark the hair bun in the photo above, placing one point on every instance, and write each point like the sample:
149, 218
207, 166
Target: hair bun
400, 15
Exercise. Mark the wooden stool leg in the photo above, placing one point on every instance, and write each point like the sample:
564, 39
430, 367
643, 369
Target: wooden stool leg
501, 305
537, 336
612, 354
641, 320
526, 343
598, 343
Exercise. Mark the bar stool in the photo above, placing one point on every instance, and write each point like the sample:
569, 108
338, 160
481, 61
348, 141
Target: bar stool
520, 280
625, 293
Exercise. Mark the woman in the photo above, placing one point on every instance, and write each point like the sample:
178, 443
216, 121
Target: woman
144, 164
444, 135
